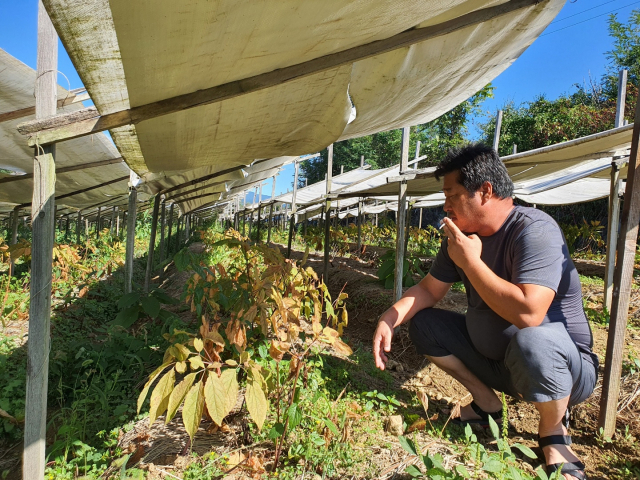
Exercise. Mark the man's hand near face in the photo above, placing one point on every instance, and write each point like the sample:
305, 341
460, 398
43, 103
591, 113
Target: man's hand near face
463, 250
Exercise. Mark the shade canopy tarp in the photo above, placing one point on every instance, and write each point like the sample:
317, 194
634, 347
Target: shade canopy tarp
17, 83
543, 168
133, 53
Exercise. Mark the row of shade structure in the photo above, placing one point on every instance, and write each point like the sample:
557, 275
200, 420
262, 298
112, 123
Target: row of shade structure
205, 103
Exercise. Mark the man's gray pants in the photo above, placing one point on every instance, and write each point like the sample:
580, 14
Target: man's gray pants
540, 364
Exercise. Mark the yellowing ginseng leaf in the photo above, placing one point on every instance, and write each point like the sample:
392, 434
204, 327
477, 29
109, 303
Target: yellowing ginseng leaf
177, 395
193, 408
160, 395
181, 367
221, 394
198, 344
342, 347
257, 403
196, 362
152, 378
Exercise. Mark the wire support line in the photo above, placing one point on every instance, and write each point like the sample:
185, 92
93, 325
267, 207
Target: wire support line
583, 11
589, 19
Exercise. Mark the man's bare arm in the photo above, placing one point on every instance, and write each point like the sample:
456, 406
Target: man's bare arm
423, 295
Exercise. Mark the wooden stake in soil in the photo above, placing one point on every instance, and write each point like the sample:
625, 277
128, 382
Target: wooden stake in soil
614, 200
42, 218
98, 221
622, 279
131, 235
169, 226
327, 220
162, 220
78, 227
496, 134
359, 221
401, 217
14, 231
273, 195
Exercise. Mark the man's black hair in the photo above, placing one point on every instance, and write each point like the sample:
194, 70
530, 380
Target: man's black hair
477, 163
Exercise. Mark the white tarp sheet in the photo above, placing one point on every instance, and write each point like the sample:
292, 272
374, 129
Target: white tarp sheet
17, 82
132, 53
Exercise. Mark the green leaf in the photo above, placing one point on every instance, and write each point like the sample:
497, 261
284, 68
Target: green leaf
493, 466
126, 317
151, 306
525, 450
515, 473
331, 426
389, 282
257, 403
221, 394
495, 431
542, 475
386, 269
295, 415
177, 395
193, 408
413, 471
128, 300
160, 395
152, 379
276, 431
462, 471
408, 445
164, 298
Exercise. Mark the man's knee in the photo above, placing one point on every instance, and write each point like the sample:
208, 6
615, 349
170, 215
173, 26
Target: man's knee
537, 361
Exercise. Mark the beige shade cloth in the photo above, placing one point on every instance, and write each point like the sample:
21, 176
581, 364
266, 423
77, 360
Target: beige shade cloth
131, 53
17, 82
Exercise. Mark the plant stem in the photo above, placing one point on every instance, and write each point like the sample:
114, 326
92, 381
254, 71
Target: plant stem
286, 422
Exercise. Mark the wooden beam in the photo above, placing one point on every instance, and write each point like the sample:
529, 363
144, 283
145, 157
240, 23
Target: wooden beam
73, 168
25, 112
88, 121
401, 216
43, 218
622, 280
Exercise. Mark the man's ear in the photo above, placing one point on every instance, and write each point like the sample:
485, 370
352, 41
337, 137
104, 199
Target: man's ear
486, 192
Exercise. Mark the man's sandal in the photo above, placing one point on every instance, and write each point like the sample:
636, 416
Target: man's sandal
575, 469
483, 421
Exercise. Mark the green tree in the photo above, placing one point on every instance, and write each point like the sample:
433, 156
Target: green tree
382, 149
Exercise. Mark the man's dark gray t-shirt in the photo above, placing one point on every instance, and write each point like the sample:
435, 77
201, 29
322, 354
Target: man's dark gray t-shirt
528, 248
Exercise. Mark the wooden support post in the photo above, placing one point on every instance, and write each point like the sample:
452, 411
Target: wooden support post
401, 216
169, 227
14, 232
376, 217
152, 243
131, 237
361, 161
258, 224
273, 195
113, 220
78, 227
359, 222
66, 229
327, 210
622, 280
162, 222
304, 226
118, 222
55, 212
294, 209
98, 222
187, 228
614, 200
179, 231
42, 221
496, 134
86, 226
418, 144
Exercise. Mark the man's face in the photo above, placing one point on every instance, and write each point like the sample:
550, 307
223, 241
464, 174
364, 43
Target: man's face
461, 206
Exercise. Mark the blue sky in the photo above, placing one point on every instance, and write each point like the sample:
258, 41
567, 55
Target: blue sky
570, 50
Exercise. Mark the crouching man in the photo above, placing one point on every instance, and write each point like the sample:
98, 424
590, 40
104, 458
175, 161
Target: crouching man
525, 332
